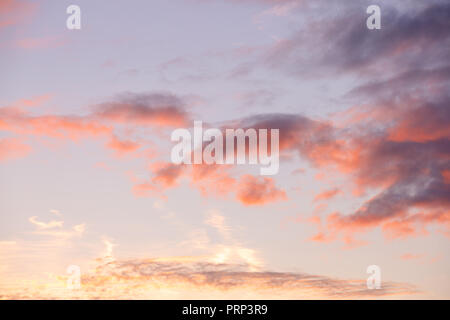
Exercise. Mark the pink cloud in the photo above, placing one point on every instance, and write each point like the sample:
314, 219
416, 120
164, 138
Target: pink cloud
14, 12
411, 256
39, 43
122, 146
258, 191
12, 148
326, 195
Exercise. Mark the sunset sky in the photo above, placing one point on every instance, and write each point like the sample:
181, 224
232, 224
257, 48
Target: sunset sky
86, 177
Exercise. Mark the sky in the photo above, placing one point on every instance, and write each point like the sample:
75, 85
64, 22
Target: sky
86, 177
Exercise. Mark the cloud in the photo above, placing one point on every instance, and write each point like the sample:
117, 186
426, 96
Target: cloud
225, 277
282, 9
407, 161
220, 276
417, 35
396, 149
426, 123
54, 228
258, 191
45, 225
13, 148
297, 132
279, 9
39, 43
122, 146
56, 212
30, 102
213, 179
413, 81
411, 256
166, 174
108, 255
229, 270
20, 121
328, 194
407, 38
216, 220
144, 109
14, 12
66, 234
162, 278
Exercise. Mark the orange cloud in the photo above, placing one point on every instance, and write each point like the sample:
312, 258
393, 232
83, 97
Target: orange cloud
411, 256
166, 174
19, 121
212, 179
258, 191
15, 11
365, 152
320, 237
30, 102
12, 148
328, 194
446, 176
122, 147
394, 224
39, 43
143, 189
426, 123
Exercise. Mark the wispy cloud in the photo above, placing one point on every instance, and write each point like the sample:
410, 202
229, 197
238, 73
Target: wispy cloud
46, 225
13, 12
157, 278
